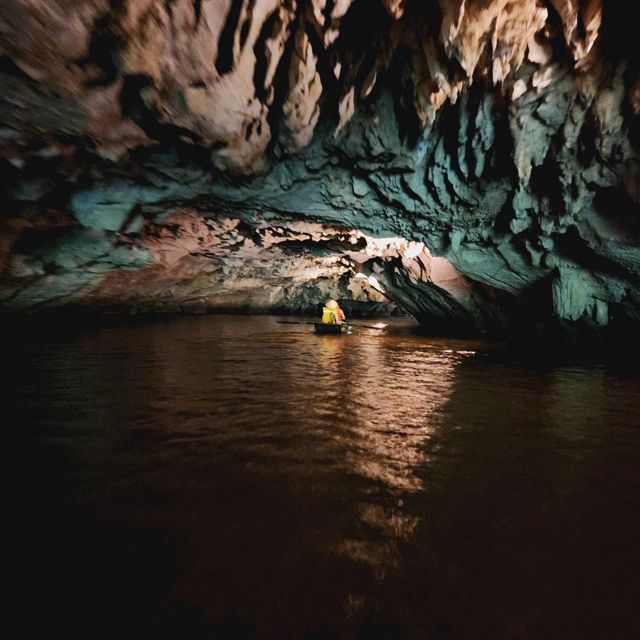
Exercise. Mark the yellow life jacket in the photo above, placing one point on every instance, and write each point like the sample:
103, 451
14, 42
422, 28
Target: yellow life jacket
329, 316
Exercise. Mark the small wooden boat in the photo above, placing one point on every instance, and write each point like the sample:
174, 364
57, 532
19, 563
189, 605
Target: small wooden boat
333, 329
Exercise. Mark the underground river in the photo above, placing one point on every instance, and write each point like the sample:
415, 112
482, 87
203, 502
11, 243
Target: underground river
231, 477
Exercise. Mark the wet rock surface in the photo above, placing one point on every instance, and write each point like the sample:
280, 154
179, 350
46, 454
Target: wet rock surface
477, 162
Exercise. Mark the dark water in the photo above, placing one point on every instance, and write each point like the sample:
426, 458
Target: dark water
229, 477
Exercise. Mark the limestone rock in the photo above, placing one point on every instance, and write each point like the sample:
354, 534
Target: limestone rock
502, 137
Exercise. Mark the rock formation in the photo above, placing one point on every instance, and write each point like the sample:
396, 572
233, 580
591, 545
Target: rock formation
476, 160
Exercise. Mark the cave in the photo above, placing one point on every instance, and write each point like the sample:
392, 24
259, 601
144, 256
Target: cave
485, 131
186, 184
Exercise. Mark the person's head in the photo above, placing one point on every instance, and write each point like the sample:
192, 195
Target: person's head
331, 304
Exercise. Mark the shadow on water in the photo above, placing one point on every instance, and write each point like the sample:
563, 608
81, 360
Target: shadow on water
234, 478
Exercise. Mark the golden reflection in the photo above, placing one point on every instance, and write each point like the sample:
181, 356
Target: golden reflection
388, 408
306, 406
393, 526
388, 404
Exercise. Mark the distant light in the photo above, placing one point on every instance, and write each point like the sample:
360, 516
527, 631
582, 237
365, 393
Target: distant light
413, 250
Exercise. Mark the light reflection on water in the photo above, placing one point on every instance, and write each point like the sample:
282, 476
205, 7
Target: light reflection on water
389, 406
388, 411
232, 477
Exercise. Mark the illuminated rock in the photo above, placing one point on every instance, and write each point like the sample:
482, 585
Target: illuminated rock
502, 136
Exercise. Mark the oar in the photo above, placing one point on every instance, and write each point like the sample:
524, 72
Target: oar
369, 326
363, 326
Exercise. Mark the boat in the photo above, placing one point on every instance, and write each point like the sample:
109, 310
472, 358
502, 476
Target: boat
333, 329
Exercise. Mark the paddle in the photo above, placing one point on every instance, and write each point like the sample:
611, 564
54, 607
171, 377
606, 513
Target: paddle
363, 326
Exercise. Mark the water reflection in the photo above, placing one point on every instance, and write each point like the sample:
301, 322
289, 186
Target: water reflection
219, 477
388, 403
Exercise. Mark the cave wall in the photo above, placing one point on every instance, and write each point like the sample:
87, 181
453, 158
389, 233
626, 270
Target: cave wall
194, 262
500, 136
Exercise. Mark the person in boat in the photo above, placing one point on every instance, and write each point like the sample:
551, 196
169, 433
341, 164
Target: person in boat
332, 313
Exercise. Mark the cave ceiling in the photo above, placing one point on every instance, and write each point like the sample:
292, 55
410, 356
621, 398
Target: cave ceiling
476, 160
